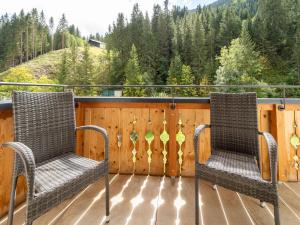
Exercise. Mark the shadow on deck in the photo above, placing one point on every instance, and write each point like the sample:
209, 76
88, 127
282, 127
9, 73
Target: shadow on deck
143, 200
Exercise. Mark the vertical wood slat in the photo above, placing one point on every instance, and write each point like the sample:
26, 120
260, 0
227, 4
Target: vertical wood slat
281, 142
264, 125
290, 151
79, 134
172, 151
298, 133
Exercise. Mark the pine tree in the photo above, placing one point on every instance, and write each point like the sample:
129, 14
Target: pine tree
270, 27
296, 48
179, 41
147, 59
34, 21
175, 71
51, 27
116, 65
155, 27
230, 27
133, 75
187, 78
43, 31
73, 61
198, 49
240, 63
21, 24
136, 29
61, 30
187, 45
86, 69
63, 69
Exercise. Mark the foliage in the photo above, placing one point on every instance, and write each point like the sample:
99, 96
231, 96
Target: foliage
134, 75
175, 71
25, 36
23, 75
228, 42
240, 62
260, 43
187, 78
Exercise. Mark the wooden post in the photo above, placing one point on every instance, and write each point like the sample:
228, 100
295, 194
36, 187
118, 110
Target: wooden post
278, 130
172, 159
79, 122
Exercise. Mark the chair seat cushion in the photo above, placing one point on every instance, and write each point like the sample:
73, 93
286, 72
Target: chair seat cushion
66, 171
234, 163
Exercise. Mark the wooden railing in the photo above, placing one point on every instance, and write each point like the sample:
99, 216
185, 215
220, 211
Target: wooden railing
117, 116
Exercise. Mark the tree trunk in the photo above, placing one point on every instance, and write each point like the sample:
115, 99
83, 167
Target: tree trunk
52, 42
21, 47
62, 40
42, 44
27, 43
33, 44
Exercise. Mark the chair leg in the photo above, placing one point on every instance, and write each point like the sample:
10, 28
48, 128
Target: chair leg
197, 200
262, 204
28, 223
12, 201
276, 214
107, 198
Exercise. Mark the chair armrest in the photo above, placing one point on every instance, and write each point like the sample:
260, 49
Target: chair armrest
197, 133
27, 157
272, 150
103, 132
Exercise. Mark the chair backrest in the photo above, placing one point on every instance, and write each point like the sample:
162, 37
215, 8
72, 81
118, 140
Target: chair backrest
45, 122
234, 123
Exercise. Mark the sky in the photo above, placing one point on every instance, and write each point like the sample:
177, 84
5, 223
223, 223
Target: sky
90, 16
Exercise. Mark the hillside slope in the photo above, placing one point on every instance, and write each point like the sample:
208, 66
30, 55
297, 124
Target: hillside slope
48, 64
220, 3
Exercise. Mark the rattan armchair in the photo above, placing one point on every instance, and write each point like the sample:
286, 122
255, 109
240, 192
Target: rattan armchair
234, 161
45, 137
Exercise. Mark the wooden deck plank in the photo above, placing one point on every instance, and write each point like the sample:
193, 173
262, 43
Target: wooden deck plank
287, 217
290, 199
167, 211
145, 212
123, 206
211, 207
294, 186
260, 215
83, 209
159, 200
187, 212
233, 207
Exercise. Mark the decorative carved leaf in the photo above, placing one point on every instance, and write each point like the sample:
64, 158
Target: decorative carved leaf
295, 141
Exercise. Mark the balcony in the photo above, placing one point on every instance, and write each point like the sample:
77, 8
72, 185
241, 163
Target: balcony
144, 192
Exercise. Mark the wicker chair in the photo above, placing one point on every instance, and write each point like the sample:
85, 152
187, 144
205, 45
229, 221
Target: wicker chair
44, 125
233, 163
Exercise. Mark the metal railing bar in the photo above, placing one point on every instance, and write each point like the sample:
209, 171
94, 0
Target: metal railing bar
148, 86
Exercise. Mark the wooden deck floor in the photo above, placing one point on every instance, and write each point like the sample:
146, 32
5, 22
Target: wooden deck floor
142, 200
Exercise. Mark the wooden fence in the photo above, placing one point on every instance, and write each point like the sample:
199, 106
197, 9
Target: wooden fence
118, 117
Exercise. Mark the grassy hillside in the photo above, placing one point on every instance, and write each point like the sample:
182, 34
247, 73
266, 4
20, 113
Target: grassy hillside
219, 3
48, 64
